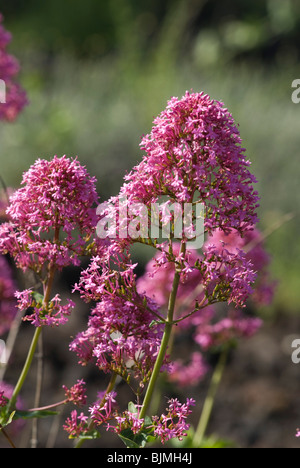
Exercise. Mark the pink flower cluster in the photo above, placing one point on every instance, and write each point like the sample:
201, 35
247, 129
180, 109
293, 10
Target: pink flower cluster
253, 244
169, 425
6, 390
222, 269
76, 425
189, 373
173, 424
50, 314
3, 400
224, 330
8, 303
77, 393
194, 154
15, 96
104, 410
58, 198
119, 336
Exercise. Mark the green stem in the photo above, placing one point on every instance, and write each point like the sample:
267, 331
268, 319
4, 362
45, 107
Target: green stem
33, 346
164, 344
210, 399
25, 370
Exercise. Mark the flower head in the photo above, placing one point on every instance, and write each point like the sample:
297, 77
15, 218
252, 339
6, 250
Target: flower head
52, 217
103, 411
194, 154
122, 335
76, 424
172, 424
252, 243
50, 314
77, 393
6, 390
217, 332
191, 373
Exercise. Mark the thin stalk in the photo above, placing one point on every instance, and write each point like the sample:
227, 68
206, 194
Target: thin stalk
210, 398
33, 346
48, 407
164, 343
38, 392
25, 370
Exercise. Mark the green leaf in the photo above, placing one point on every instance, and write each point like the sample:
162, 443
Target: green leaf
132, 408
132, 440
33, 414
216, 443
10, 419
6, 419
39, 298
91, 435
128, 442
148, 421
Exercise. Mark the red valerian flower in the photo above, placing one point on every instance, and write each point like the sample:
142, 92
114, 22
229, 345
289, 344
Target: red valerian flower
52, 217
194, 154
77, 393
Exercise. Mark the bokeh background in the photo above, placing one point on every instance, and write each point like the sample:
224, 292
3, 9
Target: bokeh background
97, 73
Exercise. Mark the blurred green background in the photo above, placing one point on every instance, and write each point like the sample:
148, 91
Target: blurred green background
97, 72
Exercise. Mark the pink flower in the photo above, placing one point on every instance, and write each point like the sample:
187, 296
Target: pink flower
53, 217
50, 314
189, 374
253, 244
222, 331
227, 277
158, 278
172, 424
76, 425
15, 96
77, 393
194, 154
127, 420
217, 275
103, 411
120, 337
123, 334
